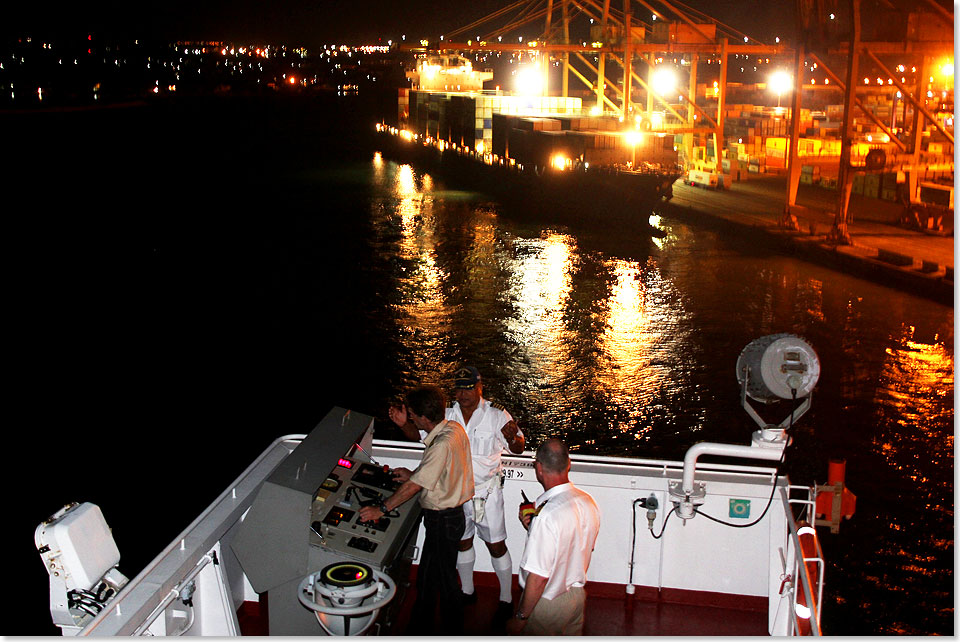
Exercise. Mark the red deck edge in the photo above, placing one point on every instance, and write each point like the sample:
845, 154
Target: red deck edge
252, 616
757, 603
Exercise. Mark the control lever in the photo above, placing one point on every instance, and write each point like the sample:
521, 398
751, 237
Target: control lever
370, 457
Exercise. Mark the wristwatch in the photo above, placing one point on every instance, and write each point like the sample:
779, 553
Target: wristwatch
383, 507
520, 615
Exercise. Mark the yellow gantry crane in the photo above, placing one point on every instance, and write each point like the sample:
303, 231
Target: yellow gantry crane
605, 62
921, 32
827, 32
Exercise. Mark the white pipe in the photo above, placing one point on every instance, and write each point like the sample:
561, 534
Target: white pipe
725, 450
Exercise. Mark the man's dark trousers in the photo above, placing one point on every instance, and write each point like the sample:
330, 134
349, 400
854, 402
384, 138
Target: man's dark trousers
437, 580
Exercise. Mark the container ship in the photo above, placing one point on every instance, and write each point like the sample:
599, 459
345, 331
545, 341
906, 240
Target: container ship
544, 151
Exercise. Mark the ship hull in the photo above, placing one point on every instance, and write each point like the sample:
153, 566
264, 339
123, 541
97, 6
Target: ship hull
578, 196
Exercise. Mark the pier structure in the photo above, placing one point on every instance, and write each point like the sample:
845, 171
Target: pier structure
897, 51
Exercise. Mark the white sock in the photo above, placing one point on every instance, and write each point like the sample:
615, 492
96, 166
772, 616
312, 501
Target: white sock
465, 560
503, 566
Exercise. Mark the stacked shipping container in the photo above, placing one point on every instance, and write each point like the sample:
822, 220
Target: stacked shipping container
467, 118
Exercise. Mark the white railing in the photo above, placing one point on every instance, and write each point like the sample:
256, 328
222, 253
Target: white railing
811, 588
163, 578
189, 556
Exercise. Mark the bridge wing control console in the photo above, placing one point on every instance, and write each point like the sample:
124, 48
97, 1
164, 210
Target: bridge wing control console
335, 520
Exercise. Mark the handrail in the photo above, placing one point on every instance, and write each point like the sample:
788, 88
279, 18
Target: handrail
138, 594
802, 577
608, 459
174, 593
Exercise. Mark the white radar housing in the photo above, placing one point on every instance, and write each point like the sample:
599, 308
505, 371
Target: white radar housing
778, 366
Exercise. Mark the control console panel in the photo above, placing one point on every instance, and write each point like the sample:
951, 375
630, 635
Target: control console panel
335, 525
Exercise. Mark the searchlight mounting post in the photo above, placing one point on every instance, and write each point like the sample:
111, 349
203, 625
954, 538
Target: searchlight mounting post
770, 369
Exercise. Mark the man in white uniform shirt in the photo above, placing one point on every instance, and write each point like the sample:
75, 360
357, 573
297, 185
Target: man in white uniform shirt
560, 541
490, 430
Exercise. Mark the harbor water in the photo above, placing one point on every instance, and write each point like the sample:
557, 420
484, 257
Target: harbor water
199, 278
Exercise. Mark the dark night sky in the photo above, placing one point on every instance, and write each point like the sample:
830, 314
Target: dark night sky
308, 22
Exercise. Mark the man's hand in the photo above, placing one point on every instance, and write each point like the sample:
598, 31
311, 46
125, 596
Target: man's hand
401, 417
515, 626
370, 513
510, 430
401, 474
531, 595
525, 519
398, 415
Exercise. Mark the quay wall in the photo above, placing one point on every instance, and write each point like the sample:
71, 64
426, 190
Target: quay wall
909, 273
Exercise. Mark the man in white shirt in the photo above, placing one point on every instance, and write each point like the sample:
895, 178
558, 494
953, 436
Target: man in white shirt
560, 541
491, 430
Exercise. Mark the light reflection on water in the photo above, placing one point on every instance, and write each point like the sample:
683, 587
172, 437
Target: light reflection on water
633, 330
537, 289
595, 355
627, 348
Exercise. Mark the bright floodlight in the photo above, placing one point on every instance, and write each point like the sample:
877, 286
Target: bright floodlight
780, 82
529, 81
664, 80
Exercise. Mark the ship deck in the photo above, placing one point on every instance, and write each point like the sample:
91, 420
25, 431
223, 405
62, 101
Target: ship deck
609, 611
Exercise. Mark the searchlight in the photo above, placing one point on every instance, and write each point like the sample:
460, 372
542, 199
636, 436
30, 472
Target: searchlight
774, 368
770, 369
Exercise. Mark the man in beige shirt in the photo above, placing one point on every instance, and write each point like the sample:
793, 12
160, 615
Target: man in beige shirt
444, 480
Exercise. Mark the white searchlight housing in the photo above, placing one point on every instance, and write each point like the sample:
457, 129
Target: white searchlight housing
346, 596
773, 368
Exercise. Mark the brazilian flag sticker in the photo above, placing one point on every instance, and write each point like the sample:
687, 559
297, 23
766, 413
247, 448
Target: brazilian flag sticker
740, 508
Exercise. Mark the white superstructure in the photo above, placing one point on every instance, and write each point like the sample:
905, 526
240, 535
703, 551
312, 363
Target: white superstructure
447, 72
